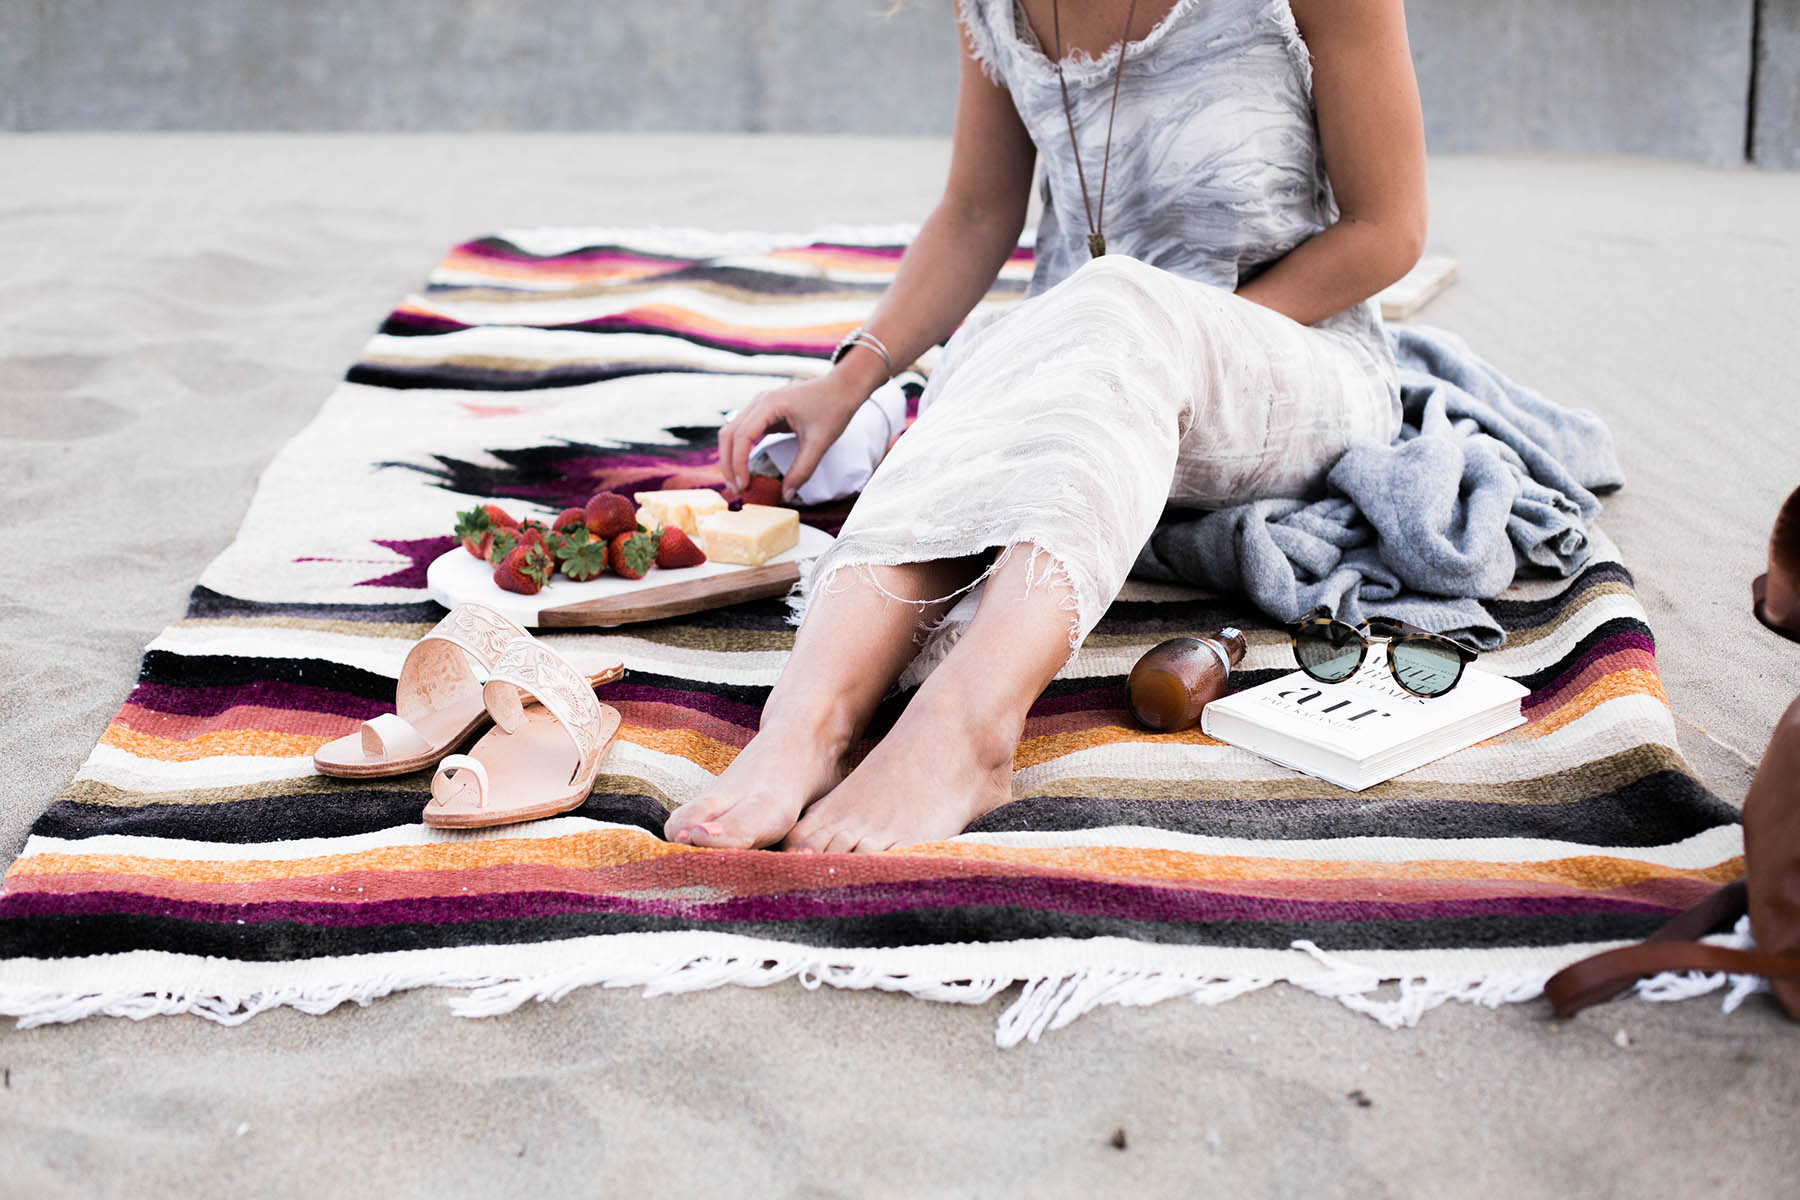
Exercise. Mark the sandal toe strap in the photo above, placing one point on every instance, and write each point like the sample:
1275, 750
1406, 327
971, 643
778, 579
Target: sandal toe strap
391, 736
453, 778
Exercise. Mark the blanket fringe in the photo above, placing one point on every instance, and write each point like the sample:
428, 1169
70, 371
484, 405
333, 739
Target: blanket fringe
49, 1006
1045, 1003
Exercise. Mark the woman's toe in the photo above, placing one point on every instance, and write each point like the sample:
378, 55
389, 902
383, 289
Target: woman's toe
807, 836
842, 842
687, 823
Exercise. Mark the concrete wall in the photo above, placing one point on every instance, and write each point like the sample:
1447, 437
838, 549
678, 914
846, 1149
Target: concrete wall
1668, 77
1775, 118
703, 65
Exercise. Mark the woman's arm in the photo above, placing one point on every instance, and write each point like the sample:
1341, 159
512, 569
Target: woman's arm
942, 276
1373, 141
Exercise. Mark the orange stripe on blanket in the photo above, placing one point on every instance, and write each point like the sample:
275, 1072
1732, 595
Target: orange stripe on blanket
664, 718
1593, 672
1592, 872
746, 871
256, 743
871, 261
1615, 686
709, 753
1082, 721
1033, 751
566, 270
580, 851
240, 718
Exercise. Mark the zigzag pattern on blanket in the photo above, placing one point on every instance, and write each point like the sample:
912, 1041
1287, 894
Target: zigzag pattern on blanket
197, 864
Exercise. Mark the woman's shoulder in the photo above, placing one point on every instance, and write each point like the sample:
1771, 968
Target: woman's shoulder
991, 42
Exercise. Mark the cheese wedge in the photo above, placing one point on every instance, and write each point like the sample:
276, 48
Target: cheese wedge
750, 536
681, 508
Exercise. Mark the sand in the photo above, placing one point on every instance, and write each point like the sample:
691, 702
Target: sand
174, 307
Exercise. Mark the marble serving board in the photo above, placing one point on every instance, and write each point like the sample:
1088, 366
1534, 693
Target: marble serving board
457, 576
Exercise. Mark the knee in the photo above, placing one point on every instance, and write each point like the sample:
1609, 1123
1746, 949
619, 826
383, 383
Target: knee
1115, 280
1112, 271
1121, 297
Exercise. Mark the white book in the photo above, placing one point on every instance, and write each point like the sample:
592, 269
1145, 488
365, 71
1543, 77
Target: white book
1365, 729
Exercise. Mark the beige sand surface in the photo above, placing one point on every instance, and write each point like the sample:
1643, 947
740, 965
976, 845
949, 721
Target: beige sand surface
172, 308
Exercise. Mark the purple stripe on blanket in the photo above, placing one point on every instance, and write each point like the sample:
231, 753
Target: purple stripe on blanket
1071, 896
749, 716
1612, 645
211, 701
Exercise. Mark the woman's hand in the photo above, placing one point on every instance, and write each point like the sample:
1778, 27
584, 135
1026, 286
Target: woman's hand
814, 409
944, 273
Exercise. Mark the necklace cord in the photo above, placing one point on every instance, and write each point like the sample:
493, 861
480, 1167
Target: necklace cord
1106, 158
1095, 221
1087, 209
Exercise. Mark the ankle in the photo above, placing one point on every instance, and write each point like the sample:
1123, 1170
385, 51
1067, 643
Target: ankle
992, 729
819, 725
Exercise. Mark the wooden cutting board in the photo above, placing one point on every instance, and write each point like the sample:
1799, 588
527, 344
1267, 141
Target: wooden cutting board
675, 599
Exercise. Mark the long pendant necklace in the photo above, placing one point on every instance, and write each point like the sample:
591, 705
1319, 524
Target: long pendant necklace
1096, 238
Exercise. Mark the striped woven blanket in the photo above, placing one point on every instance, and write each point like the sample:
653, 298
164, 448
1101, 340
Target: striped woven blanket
196, 864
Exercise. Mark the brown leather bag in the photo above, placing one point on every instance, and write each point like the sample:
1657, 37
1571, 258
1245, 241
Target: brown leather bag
1770, 890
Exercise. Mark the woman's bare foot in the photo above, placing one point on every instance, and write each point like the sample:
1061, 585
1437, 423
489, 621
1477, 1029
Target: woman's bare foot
758, 797
941, 766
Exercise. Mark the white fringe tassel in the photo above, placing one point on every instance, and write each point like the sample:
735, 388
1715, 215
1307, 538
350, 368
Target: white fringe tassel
1045, 1003
44, 1006
1352, 986
1683, 985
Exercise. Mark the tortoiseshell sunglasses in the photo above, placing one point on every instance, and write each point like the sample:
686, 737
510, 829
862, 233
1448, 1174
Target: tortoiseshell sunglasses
1422, 662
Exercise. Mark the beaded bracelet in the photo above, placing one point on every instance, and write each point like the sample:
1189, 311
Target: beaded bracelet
860, 336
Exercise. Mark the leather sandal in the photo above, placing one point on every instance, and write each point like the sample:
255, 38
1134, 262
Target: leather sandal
549, 740
437, 701
1775, 596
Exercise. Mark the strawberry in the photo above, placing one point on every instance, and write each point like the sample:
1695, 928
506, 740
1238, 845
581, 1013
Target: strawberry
569, 518
579, 554
501, 544
526, 569
528, 533
763, 489
610, 514
676, 549
475, 529
632, 554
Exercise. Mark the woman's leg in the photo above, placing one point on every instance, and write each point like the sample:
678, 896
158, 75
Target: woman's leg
949, 758
853, 644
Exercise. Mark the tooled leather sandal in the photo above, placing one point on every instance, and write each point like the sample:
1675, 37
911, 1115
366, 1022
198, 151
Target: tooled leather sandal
437, 701
549, 740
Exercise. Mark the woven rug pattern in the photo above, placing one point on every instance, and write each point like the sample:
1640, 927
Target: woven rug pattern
196, 864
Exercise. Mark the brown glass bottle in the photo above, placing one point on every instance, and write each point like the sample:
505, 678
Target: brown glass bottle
1176, 679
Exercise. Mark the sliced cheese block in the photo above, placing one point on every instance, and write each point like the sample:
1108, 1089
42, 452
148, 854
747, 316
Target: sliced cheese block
750, 536
681, 508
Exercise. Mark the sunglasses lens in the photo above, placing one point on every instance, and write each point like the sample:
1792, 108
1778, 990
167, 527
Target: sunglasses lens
1328, 652
1426, 667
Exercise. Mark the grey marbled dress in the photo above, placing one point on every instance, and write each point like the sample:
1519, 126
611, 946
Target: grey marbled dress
1069, 420
1215, 168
